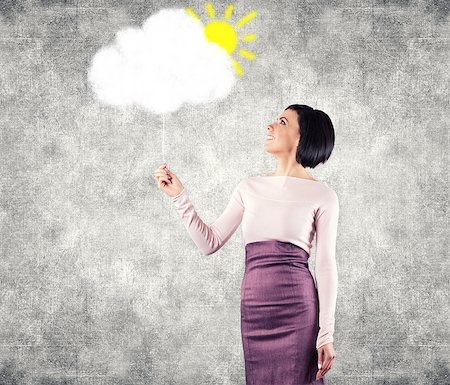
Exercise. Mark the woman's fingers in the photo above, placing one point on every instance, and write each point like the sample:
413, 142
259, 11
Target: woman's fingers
163, 167
163, 181
166, 180
162, 174
326, 366
162, 178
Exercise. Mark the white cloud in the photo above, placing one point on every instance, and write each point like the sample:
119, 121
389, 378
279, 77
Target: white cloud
162, 65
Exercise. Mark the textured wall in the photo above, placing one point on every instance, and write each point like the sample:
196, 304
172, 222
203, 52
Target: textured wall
100, 283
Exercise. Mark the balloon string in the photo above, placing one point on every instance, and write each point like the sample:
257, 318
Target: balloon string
164, 156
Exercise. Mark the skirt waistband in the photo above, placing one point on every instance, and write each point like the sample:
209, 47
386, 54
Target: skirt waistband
275, 251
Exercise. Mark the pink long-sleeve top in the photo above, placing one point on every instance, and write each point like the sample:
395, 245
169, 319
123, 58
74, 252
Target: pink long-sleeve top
284, 208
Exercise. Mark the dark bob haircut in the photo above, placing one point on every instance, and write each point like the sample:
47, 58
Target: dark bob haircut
316, 135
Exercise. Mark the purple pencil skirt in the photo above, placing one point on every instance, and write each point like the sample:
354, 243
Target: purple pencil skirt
279, 315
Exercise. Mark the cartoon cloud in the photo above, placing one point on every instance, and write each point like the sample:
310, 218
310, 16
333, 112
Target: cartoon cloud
173, 59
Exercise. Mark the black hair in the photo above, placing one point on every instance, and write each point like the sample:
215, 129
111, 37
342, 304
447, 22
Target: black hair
316, 135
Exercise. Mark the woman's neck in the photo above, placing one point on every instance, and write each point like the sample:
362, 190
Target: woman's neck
296, 174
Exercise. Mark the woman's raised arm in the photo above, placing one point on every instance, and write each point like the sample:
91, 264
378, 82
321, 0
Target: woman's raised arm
208, 239
211, 238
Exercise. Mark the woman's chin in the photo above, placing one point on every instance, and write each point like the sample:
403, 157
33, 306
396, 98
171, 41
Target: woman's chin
267, 145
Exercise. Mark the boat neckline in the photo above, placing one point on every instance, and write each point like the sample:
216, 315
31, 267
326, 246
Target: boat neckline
292, 177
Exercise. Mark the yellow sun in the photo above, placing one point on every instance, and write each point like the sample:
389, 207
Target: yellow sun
225, 35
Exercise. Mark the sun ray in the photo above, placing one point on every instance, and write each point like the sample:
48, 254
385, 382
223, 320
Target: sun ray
248, 55
210, 9
249, 16
224, 33
191, 12
237, 67
228, 12
250, 37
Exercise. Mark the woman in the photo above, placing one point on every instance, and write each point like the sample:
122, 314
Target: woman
286, 339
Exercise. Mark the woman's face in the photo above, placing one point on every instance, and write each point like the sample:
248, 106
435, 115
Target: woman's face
283, 135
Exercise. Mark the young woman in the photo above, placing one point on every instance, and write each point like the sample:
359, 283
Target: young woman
287, 322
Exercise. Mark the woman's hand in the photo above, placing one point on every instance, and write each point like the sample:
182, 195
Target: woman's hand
168, 181
326, 355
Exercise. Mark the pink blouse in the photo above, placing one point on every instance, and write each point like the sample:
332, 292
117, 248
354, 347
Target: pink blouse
284, 208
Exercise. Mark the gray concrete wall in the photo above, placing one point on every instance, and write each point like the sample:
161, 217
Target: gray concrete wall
100, 283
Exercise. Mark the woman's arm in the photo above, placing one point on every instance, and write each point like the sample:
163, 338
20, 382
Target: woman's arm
325, 266
209, 239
